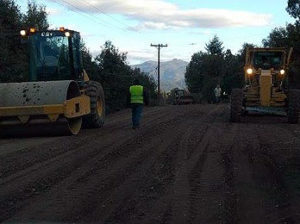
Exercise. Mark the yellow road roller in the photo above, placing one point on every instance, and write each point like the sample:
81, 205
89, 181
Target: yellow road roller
59, 98
266, 87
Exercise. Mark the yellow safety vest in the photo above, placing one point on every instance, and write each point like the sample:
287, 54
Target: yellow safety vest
137, 94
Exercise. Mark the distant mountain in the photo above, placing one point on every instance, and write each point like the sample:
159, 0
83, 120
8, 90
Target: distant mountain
171, 72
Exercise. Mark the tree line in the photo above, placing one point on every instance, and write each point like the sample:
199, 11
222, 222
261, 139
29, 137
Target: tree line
110, 67
218, 66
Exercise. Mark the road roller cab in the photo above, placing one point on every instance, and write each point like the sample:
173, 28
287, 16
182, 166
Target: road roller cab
266, 88
54, 55
59, 98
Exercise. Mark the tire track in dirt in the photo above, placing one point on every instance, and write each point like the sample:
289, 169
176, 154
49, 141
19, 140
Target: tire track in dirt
110, 185
210, 182
265, 199
248, 207
230, 202
173, 206
275, 184
287, 154
177, 205
124, 145
68, 154
151, 198
45, 175
187, 164
22, 159
191, 158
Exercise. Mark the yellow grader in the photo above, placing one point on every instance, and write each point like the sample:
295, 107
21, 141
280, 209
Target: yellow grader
266, 86
59, 98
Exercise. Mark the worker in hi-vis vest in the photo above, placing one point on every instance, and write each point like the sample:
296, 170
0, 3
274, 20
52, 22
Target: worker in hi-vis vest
138, 96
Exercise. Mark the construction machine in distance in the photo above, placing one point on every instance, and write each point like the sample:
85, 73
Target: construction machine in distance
181, 96
266, 87
59, 98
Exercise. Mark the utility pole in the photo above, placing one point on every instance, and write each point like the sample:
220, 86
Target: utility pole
158, 46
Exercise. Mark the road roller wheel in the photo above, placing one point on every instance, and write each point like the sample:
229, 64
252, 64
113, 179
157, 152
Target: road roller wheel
96, 118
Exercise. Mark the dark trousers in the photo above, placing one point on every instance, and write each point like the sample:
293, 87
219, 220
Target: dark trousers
137, 110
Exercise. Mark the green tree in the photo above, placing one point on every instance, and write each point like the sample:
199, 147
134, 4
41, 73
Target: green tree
277, 38
293, 8
10, 16
89, 63
12, 54
207, 69
194, 76
215, 46
117, 76
289, 36
234, 76
36, 16
242, 52
114, 74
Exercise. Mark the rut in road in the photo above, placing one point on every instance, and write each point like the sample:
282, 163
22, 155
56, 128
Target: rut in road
187, 164
41, 176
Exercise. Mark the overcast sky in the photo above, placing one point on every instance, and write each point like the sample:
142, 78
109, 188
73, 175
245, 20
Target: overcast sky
185, 25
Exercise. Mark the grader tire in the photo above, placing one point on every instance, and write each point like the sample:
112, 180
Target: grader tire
96, 118
294, 106
236, 105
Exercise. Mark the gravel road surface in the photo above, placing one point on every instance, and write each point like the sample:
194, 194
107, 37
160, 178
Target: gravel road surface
186, 164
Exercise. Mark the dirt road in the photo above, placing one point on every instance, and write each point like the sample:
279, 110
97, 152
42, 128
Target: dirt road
187, 164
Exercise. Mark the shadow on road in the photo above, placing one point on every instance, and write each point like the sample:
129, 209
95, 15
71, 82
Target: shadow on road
264, 119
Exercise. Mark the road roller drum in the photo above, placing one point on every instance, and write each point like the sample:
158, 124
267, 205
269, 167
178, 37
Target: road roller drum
33, 105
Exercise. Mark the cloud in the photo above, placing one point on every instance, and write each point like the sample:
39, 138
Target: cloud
134, 56
151, 26
205, 32
53, 11
160, 14
139, 56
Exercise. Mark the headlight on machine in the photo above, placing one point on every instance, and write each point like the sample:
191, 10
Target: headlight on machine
67, 34
23, 33
249, 71
282, 72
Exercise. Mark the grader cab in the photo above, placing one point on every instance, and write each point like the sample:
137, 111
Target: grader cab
266, 87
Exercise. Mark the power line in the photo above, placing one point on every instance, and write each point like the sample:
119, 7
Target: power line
79, 11
102, 12
99, 10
